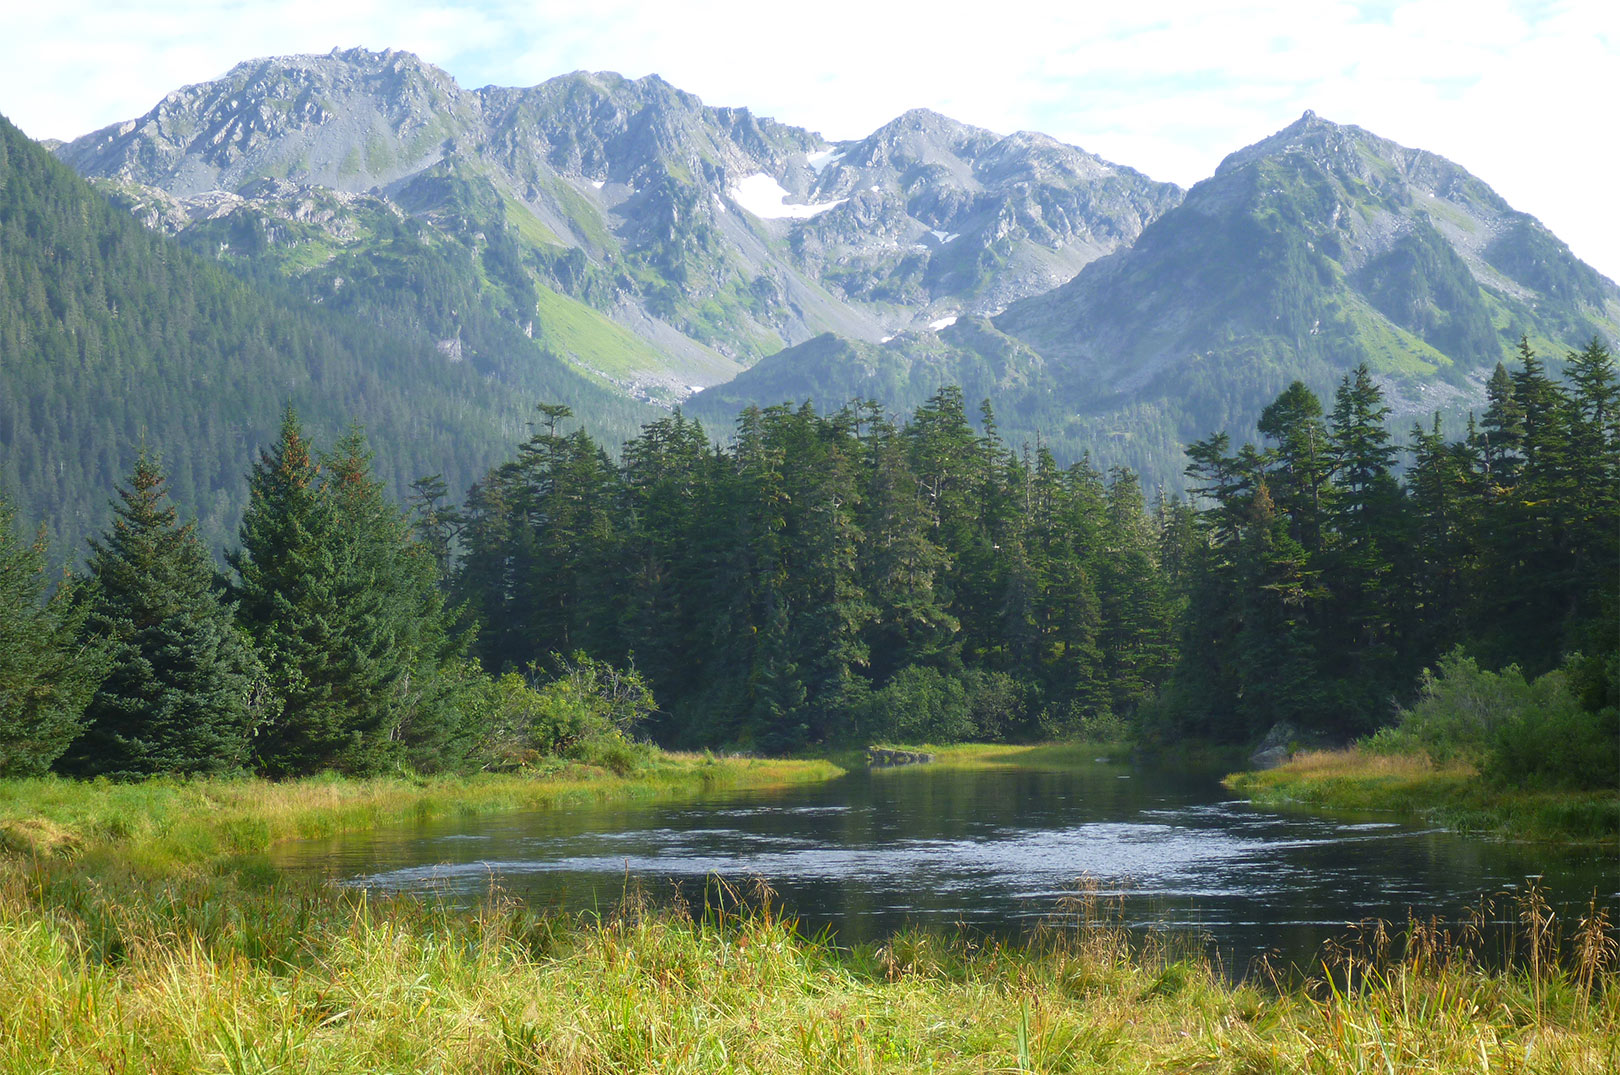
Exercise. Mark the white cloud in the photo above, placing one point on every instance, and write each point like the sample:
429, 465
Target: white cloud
1520, 93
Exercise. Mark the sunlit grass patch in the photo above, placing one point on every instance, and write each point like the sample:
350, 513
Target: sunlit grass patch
172, 823
1453, 794
1038, 755
119, 972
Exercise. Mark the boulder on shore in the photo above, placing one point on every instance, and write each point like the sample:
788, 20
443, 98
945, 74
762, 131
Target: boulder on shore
1276, 748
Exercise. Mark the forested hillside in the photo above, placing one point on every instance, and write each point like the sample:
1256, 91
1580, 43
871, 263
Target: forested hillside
111, 336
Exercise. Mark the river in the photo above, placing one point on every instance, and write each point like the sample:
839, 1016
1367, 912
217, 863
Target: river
994, 850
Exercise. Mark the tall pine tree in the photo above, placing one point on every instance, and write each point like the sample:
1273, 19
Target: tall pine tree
182, 690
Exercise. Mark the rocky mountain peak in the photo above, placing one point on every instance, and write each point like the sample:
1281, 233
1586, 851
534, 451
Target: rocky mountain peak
349, 119
1309, 135
715, 235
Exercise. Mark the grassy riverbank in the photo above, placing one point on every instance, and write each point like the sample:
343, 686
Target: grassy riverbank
196, 973
133, 940
1034, 756
1454, 795
163, 824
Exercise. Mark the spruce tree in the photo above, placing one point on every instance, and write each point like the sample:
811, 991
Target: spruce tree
901, 565
1274, 650
1298, 483
1136, 641
293, 588
1501, 433
668, 478
182, 684
1593, 418
405, 648
47, 671
1075, 674
1369, 524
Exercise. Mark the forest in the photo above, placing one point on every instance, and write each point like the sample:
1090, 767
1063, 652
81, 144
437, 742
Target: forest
111, 335
826, 579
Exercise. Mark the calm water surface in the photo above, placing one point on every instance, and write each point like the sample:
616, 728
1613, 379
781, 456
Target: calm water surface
990, 849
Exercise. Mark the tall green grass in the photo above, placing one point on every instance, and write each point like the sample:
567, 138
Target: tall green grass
132, 940
121, 972
164, 824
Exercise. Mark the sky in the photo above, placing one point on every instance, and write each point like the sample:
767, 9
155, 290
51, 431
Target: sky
1523, 93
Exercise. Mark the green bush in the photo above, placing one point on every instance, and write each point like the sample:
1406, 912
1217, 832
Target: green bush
586, 713
924, 705
1459, 712
1560, 731
1557, 742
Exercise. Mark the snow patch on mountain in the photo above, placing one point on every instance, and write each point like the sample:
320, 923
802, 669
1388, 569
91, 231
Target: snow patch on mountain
765, 198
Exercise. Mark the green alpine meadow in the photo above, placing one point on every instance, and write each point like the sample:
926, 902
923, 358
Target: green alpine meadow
572, 578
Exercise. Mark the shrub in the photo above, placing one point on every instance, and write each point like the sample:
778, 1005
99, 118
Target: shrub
1556, 742
921, 704
1459, 712
1560, 731
587, 712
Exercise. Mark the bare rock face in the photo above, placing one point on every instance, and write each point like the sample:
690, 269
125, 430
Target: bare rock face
885, 757
1276, 748
349, 121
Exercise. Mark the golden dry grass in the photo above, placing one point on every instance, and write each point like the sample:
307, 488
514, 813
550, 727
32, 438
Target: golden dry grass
1454, 794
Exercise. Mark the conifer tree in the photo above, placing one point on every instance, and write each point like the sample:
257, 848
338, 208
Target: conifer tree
297, 575
1075, 673
1135, 637
1275, 647
1592, 416
1368, 522
669, 475
1501, 433
47, 670
1529, 525
901, 564
1298, 483
403, 640
183, 685
830, 610
1444, 556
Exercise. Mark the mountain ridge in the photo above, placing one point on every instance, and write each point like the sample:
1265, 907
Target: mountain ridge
683, 253
714, 235
1316, 248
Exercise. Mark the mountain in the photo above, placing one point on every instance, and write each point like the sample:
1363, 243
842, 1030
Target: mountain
657, 244
112, 335
1317, 248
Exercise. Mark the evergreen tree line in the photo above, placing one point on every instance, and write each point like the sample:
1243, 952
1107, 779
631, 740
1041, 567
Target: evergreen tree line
330, 648
1319, 581
823, 579
837, 577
